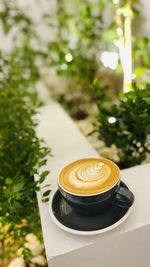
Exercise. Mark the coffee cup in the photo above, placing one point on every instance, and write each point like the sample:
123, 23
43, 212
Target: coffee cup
91, 185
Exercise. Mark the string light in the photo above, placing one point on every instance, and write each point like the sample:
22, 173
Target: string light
110, 59
68, 57
112, 120
64, 66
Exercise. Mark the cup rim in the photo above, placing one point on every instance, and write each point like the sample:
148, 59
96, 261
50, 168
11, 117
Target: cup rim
93, 194
88, 195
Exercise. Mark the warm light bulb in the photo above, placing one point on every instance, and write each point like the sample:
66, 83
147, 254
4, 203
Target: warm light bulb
112, 120
110, 59
68, 57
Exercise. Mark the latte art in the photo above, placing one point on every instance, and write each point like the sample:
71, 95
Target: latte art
90, 173
88, 176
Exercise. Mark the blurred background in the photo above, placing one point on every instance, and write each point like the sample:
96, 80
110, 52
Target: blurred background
93, 58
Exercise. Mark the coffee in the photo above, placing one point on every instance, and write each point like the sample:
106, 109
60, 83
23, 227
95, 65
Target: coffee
89, 176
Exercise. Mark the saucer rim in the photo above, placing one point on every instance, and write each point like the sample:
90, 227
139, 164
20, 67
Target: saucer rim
86, 233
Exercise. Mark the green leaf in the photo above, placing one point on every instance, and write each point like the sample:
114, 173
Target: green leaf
43, 176
9, 181
45, 199
18, 187
27, 254
37, 188
46, 193
42, 163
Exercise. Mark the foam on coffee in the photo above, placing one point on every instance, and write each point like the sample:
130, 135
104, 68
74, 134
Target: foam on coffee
89, 176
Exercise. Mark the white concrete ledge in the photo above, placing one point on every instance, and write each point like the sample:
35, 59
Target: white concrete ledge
126, 245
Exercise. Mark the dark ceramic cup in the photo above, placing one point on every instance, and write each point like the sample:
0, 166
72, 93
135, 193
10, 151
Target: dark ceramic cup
92, 204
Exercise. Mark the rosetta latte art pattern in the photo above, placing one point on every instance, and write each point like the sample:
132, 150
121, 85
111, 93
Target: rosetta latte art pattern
89, 175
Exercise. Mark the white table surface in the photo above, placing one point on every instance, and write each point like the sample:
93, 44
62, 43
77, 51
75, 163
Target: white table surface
129, 243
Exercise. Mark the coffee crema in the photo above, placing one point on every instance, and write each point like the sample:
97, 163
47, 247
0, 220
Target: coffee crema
89, 176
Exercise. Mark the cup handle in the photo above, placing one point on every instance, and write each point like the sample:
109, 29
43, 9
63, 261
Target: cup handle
124, 197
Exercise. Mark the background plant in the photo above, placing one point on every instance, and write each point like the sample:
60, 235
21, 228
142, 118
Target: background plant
20, 65
82, 36
126, 125
22, 153
74, 51
78, 40
21, 156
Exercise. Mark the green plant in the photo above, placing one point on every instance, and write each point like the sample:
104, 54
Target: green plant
21, 64
11, 15
74, 51
22, 154
82, 34
127, 126
141, 57
78, 36
18, 69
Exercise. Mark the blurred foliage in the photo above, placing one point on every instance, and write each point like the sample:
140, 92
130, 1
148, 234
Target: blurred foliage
78, 32
20, 66
22, 153
141, 55
12, 16
77, 35
74, 51
130, 129
21, 156
81, 30
17, 68
81, 35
